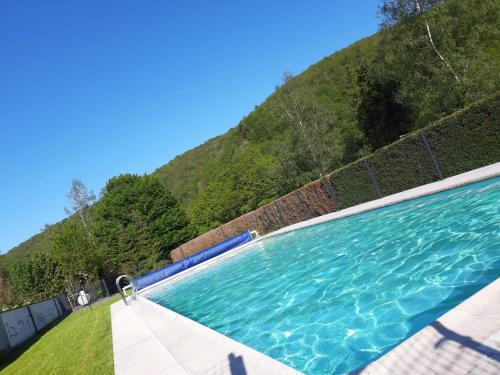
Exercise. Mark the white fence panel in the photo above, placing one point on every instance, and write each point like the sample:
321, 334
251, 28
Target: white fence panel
45, 312
18, 325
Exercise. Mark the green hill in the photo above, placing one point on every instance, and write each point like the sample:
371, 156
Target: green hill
263, 128
247, 166
426, 87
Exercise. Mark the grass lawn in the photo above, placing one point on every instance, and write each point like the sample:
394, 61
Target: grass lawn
79, 344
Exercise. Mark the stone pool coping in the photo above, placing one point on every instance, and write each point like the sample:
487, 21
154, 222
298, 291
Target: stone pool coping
465, 340
148, 338
151, 339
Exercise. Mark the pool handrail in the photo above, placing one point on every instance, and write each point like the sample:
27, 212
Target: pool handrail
132, 284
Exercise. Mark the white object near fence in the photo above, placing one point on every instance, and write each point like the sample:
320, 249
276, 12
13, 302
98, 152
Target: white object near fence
83, 298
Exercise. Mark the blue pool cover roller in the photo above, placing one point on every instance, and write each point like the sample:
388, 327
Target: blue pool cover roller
191, 261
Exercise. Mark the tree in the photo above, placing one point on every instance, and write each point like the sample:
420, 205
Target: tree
216, 204
138, 212
382, 112
310, 154
248, 184
36, 277
75, 252
5, 289
397, 11
437, 51
253, 180
140, 252
82, 200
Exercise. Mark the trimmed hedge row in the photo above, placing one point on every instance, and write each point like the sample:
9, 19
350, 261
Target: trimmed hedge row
469, 138
403, 165
466, 140
352, 185
307, 202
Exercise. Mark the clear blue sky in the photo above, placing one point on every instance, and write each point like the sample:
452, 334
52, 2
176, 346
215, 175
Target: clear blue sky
92, 89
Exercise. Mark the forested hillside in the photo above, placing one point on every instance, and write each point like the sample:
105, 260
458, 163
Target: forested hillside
424, 63
240, 170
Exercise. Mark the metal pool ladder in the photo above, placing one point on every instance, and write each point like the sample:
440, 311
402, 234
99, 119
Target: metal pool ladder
132, 284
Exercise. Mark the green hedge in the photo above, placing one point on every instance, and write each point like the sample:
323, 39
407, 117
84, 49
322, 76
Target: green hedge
465, 140
403, 165
352, 185
469, 138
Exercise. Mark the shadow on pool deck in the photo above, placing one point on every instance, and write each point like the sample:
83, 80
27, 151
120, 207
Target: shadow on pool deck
465, 341
234, 366
438, 350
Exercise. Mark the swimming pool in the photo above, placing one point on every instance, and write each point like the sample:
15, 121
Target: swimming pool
335, 296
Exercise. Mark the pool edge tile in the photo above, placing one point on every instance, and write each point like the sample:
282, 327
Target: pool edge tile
147, 333
465, 340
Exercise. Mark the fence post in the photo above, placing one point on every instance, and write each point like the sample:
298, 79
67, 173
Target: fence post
278, 209
271, 217
59, 313
264, 219
372, 176
105, 287
32, 319
69, 299
431, 153
331, 192
182, 252
303, 207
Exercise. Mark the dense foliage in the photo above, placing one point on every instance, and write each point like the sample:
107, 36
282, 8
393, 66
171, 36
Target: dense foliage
138, 221
445, 58
382, 113
36, 277
469, 138
75, 252
463, 141
246, 185
131, 229
376, 90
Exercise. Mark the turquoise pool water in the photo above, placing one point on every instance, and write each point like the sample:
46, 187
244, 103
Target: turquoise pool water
334, 297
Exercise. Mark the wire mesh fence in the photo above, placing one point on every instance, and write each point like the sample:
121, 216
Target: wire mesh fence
88, 293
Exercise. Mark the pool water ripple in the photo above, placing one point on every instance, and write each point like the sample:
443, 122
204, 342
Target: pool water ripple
333, 297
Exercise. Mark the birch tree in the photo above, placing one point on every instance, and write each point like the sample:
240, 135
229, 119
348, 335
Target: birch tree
397, 11
82, 200
311, 124
440, 51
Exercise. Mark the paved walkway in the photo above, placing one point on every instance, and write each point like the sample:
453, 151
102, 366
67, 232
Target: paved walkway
150, 339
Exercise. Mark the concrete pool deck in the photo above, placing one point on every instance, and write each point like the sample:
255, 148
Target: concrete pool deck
150, 339
465, 340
